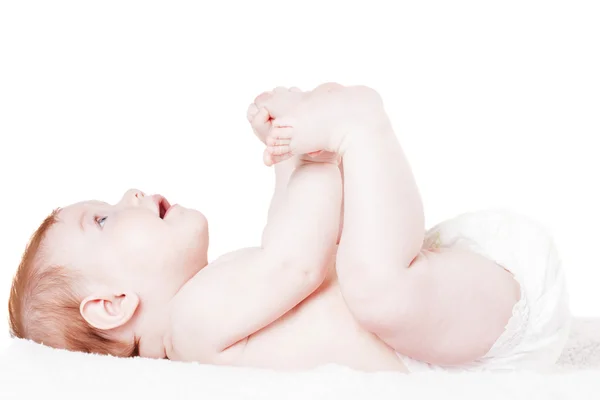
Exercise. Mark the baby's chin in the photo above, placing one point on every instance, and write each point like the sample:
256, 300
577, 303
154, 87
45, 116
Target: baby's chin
179, 214
199, 224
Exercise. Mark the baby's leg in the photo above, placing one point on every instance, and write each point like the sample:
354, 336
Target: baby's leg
445, 307
260, 114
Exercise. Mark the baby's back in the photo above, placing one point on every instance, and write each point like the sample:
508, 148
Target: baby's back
320, 330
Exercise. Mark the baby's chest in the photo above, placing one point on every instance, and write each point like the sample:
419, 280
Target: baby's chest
316, 323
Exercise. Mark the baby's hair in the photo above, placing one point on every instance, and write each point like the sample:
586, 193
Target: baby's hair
44, 304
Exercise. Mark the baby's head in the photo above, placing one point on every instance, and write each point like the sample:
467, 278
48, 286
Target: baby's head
99, 278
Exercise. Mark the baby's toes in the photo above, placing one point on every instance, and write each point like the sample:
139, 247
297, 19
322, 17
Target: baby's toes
275, 141
328, 87
280, 89
271, 159
283, 89
279, 140
262, 99
279, 150
268, 158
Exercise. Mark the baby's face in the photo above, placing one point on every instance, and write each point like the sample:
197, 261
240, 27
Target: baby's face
140, 244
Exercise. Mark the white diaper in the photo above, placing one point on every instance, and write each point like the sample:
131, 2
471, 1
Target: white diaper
536, 334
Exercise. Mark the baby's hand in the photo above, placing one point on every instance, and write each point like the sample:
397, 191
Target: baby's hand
270, 105
260, 120
267, 107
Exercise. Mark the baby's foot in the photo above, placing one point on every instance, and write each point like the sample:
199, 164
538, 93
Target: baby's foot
324, 119
264, 110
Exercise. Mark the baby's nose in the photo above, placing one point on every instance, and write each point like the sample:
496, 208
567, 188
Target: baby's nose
133, 196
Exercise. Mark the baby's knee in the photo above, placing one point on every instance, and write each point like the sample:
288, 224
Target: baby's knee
381, 303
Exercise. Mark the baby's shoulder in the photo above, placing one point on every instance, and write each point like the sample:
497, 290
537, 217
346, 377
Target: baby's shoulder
239, 254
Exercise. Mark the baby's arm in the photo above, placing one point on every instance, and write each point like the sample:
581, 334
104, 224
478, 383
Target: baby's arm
283, 173
247, 290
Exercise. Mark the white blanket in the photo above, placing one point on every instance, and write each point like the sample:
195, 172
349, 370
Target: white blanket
34, 371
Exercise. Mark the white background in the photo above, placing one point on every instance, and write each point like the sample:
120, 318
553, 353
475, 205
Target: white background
497, 105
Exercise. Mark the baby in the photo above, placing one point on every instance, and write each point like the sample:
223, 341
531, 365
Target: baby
345, 274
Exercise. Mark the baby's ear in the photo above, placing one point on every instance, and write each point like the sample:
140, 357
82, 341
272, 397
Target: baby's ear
109, 311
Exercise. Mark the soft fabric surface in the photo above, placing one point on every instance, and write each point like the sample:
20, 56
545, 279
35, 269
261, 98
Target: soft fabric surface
34, 371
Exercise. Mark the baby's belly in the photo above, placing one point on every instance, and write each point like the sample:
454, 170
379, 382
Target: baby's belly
318, 331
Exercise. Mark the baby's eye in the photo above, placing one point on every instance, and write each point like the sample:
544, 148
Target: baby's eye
100, 221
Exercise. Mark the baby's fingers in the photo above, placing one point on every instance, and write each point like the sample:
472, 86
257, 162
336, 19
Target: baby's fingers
260, 122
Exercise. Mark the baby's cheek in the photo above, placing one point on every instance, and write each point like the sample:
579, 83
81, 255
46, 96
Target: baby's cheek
141, 241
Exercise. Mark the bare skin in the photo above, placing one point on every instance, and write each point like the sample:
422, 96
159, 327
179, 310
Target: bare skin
287, 305
307, 296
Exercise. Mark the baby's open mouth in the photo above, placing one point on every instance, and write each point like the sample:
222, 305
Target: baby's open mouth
163, 207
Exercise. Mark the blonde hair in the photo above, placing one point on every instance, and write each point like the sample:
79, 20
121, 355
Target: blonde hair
44, 305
